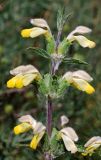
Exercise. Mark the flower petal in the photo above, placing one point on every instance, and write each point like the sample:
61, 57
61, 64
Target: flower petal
82, 29
21, 128
68, 76
11, 82
84, 42
29, 119
39, 127
92, 140
64, 120
39, 22
79, 29
15, 82
28, 78
24, 69
25, 33
69, 144
36, 139
70, 132
19, 81
82, 75
36, 31
83, 85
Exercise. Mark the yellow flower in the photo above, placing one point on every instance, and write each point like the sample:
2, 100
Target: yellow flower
23, 127
27, 123
41, 29
33, 32
68, 136
23, 76
92, 145
79, 79
83, 41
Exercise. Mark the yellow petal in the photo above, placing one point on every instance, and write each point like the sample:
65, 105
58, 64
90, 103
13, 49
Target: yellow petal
34, 142
25, 33
84, 42
28, 78
23, 127
11, 82
88, 151
19, 81
36, 139
83, 85
36, 31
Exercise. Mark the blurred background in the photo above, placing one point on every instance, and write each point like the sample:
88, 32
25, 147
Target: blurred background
84, 111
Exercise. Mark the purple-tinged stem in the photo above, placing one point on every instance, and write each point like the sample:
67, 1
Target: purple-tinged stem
49, 116
54, 67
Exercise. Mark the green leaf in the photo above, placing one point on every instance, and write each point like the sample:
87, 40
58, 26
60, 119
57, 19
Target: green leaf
40, 52
62, 17
74, 61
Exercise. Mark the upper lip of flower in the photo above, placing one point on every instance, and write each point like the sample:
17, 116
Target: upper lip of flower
24, 69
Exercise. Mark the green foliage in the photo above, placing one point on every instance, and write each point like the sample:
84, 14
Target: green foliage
74, 61
53, 87
55, 146
62, 17
50, 45
63, 47
40, 52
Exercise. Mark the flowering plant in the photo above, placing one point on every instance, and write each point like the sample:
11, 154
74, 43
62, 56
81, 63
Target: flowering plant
54, 142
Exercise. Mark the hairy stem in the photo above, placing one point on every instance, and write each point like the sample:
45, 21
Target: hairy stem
48, 155
49, 116
54, 67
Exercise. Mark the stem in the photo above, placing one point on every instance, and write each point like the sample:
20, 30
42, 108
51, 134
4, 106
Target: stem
54, 67
49, 116
48, 155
